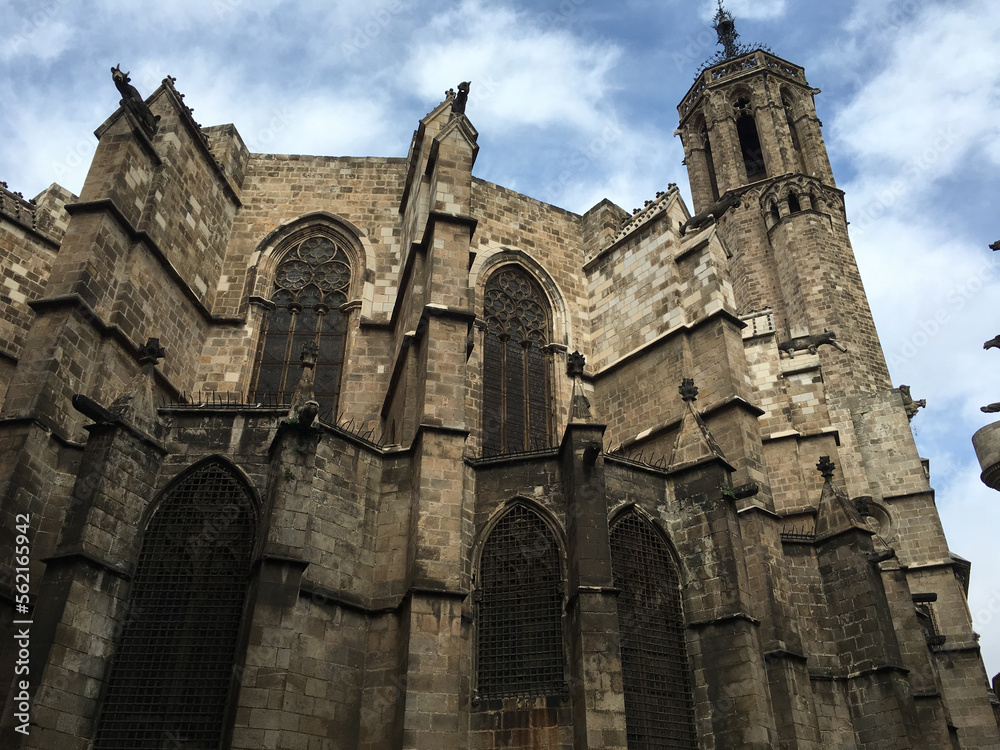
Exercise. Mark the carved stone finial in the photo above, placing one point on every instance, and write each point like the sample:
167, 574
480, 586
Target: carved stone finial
688, 390
151, 352
462, 98
133, 102
826, 467
574, 365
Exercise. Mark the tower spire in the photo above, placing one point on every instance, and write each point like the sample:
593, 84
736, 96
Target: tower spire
725, 27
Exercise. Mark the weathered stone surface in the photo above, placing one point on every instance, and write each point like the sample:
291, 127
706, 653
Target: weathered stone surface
818, 609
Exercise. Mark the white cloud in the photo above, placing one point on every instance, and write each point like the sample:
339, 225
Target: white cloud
521, 73
41, 34
752, 9
935, 99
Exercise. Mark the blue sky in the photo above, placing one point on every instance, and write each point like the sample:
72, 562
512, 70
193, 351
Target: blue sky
575, 101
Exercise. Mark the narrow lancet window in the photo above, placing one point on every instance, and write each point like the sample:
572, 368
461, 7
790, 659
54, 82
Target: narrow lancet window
515, 365
746, 128
659, 708
172, 677
519, 613
310, 285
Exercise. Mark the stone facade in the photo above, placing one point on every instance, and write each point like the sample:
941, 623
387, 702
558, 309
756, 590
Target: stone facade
805, 602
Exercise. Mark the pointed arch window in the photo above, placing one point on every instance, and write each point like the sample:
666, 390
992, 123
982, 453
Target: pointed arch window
519, 609
310, 285
515, 367
746, 129
172, 675
659, 708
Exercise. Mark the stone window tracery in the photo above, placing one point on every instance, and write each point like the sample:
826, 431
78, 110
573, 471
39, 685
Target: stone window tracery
659, 709
519, 609
310, 285
172, 674
515, 367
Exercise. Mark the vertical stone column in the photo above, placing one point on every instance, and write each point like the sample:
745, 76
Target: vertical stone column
596, 687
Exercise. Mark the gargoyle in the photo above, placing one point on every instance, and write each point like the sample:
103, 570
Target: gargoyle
909, 405
461, 98
991, 409
993, 343
132, 101
811, 342
712, 213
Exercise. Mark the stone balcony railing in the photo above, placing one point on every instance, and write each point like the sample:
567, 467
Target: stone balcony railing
17, 207
755, 61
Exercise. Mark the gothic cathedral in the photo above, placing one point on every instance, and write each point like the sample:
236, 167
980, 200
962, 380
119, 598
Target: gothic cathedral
368, 453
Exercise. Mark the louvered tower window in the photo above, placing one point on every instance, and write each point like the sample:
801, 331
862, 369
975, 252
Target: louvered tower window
515, 369
310, 285
659, 710
519, 613
173, 673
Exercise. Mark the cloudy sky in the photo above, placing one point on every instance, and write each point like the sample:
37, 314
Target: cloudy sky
575, 100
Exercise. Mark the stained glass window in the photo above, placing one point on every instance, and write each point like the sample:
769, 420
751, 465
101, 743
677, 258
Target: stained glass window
659, 710
519, 615
310, 285
515, 367
173, 672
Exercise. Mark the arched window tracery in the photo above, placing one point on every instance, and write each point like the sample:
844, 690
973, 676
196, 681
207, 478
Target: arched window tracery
659, 709
515, 367
519, 609
172, 674
310, 284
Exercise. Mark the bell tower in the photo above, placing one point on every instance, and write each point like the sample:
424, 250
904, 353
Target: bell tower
757, 163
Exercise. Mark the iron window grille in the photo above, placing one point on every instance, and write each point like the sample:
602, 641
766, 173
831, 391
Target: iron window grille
310, 285
520, 606
173, 675
659, 708
515, 367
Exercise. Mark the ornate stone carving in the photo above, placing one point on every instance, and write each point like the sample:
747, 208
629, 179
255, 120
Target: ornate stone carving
909, 404
811, 342
133, 102
461, 98
688, 390
713, 213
